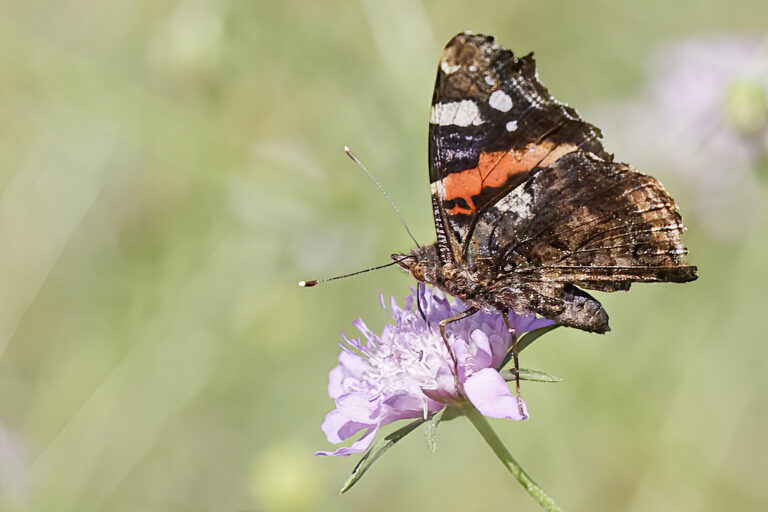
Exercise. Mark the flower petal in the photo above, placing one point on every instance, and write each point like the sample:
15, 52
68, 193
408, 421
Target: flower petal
335, 379
353, 364
356, 406
358, 446
525, 323
489, 393
338, 427
480, 349
405, 402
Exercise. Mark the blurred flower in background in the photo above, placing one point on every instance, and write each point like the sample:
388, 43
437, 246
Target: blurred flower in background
407, 372
13, 466
704, 118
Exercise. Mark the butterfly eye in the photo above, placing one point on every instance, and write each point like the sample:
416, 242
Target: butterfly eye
417, 271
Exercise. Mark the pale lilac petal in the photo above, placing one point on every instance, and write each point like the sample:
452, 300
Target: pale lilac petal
464, 357
335, 379
396, 415
358, 446
405, 406
523, 324
338, 427
403, 401
481, 349
499, 346
538, 323
357, 407
353, 364
490, 394
445, 391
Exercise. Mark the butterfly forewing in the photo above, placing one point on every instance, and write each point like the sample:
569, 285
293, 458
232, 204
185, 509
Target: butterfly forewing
492, 124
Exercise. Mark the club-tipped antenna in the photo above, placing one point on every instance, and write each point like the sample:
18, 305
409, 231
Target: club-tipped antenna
354, 158
307, 284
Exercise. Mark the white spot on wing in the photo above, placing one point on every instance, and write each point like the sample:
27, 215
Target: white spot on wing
500, 101
448, 68
437, 189
459, 113
518, 202
511, 126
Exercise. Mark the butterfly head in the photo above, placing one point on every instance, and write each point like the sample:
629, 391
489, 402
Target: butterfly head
422, 263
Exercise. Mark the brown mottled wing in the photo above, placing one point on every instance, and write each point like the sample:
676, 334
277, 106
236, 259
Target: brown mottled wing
492, 125
586, 222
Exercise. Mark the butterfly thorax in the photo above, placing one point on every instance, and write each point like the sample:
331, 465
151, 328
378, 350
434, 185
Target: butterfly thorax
424, 265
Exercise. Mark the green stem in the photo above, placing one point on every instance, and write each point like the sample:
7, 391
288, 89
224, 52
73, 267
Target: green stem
482, 426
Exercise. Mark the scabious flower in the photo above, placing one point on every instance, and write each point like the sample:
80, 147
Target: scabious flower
703, 119
407, 371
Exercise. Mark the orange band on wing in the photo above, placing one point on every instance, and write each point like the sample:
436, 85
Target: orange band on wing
497, 168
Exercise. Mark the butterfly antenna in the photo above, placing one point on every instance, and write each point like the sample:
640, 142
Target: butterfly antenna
308, 284
354, 158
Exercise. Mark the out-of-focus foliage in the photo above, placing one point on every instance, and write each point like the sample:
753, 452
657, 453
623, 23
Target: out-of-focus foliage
170, 169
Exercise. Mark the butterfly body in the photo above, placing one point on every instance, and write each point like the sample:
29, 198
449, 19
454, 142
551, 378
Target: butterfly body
529, 209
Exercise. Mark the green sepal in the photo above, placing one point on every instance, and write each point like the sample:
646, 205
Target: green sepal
533, 375
376, 451
430, 432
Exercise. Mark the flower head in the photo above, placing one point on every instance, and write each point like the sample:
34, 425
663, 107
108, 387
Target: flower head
407, 372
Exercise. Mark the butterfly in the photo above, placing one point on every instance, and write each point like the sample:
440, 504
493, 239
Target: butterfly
530, 210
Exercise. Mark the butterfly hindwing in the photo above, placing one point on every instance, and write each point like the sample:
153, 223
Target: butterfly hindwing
584, 222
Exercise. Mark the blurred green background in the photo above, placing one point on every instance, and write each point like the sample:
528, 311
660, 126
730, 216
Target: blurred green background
170, 169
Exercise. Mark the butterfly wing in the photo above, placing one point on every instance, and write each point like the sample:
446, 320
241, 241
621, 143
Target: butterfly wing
492, 125
525, 197
584, 221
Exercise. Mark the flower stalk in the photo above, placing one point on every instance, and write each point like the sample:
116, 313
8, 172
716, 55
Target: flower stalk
489, 435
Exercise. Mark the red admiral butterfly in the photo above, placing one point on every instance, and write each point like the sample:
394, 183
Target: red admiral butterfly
529, 208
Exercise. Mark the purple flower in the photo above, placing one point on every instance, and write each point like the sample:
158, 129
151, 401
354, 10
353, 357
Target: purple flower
703, 119
407, 372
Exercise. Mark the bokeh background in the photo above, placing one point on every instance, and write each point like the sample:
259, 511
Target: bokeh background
170, 169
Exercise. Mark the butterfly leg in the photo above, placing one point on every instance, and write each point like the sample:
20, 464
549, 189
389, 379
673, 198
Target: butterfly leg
442, 324
419, 307
515, 339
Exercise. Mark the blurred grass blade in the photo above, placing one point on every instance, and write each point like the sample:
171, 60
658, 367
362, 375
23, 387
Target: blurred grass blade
525, 340
534, 375
377, 451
